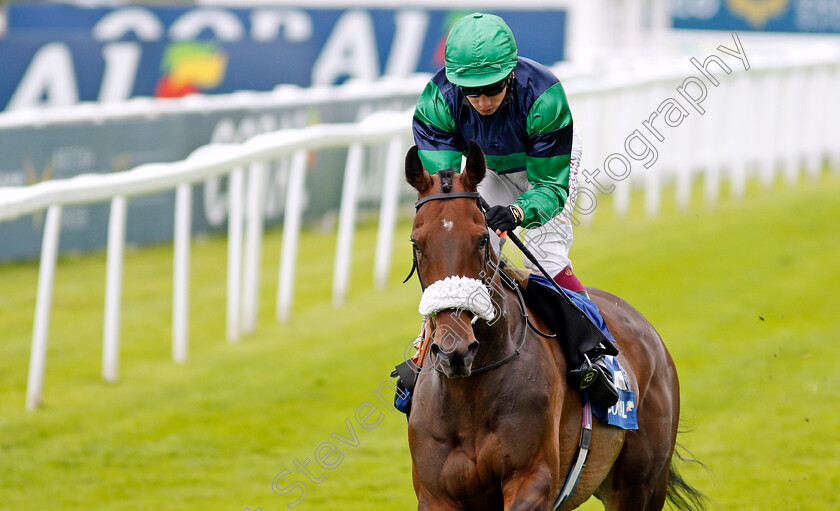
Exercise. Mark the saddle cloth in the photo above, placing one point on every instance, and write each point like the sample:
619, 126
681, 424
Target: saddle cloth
623, 413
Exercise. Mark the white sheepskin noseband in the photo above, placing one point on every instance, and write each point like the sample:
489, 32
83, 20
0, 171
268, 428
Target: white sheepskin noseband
458, 293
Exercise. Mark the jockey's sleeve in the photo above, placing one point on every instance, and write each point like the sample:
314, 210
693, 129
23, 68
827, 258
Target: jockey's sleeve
434, 131
549, 129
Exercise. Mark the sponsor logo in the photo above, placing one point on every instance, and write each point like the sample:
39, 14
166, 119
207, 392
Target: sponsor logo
191, 67
758, 12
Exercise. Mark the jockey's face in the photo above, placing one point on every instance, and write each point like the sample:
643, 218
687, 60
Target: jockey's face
487, 105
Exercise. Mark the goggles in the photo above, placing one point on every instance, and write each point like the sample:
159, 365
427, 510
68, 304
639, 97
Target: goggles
494, 89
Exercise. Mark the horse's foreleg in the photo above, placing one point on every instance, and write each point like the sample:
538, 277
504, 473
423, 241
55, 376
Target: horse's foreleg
530, 492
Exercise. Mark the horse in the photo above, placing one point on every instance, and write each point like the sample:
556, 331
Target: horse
494, 425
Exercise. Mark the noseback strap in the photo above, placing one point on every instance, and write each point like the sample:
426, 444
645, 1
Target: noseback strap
458, 293
450, 195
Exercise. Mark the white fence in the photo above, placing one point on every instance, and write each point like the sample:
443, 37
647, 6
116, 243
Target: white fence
759, 120
775, 117
243, 236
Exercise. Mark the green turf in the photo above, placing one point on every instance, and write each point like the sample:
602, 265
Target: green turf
744, 295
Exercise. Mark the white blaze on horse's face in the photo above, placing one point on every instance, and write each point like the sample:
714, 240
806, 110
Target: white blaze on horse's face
448, 224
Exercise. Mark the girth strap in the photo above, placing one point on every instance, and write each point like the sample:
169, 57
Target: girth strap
580, 457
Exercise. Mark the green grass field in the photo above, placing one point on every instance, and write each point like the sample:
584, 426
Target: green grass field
745, 296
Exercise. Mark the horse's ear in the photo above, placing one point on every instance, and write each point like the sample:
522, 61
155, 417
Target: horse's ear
415, 174
475, 169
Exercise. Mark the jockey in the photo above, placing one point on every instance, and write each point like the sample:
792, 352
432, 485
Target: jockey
516, 110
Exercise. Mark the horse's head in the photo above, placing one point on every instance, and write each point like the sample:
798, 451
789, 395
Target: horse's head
452, 250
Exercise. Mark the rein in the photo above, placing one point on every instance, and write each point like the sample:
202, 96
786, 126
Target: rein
513, 355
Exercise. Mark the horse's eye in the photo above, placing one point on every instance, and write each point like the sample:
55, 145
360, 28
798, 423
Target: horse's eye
415, 246
482, 243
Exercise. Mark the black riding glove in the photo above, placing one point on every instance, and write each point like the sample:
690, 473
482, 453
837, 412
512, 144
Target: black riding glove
503, 218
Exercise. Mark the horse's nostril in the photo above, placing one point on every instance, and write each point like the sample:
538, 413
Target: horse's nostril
473, 347
439, 357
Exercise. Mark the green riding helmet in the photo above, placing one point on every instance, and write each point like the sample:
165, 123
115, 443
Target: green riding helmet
480, 50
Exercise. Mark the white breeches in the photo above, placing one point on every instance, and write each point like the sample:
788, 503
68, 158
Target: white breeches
551, 242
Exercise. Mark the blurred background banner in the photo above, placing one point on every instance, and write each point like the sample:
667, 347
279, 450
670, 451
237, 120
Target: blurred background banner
58, 55
61, 54
803, 16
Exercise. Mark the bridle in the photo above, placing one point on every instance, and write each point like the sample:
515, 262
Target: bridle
508, 281
448, 195
479, 201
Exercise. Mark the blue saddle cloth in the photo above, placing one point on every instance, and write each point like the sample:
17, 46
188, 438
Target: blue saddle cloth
623, 413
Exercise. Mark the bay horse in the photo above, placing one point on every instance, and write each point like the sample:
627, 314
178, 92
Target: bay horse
504, 438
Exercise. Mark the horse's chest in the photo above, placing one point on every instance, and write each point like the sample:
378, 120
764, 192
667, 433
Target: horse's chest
469, 468
472, 461
464, 447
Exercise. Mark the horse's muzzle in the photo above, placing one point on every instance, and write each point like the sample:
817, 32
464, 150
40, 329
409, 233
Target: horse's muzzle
454, 363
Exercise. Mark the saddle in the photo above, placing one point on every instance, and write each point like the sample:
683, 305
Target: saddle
574, 320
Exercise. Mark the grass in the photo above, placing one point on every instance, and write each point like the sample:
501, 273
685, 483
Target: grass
744, 295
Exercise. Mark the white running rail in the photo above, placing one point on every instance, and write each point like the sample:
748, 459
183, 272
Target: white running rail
210, 161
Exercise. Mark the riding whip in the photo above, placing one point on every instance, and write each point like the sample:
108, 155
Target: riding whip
527, 253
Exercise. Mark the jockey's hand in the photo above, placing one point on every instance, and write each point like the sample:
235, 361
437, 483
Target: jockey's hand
503, 218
